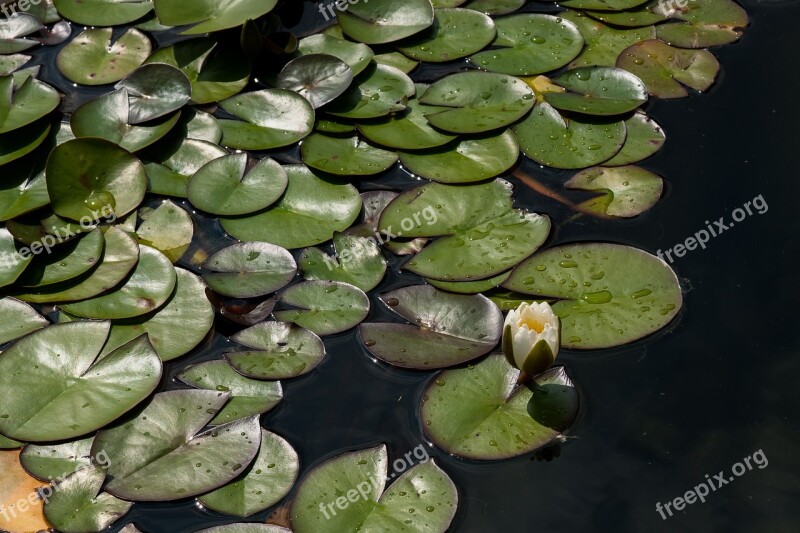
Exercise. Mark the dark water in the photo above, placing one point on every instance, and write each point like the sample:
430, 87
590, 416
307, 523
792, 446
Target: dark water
657, 415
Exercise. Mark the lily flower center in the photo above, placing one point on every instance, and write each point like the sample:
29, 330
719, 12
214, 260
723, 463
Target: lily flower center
533, 323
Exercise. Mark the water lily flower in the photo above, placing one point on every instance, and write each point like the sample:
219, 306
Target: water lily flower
531, 338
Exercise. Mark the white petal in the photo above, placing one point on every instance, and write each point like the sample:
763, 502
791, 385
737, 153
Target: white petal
523, 342
550, 334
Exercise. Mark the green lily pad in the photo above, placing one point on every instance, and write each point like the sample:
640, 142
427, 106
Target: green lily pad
319, 78
248, 397
479, 412
603, 43
21, 142
483, 234
249, 269
455, 33
602, 5
378, 91
155, 90
119, 256
171, 164
270, 478
496, 7
154, 457
357, 55
612, 296
64, 262
187, 310
13, 263
478, 101
246, 528
369, 505
57, 461
396, 60
467, 160
470, 287
310, 212
10, 444
234, 185
645, 137
385, 21
708, 23
147, 288
91, 59
345, 156
13, 31
665, 70
168, 228
358, 261
211, 15
446, 329
598, 91
21, 194
79, 505
374, 204
531, 43
645, 14
23, 105
51, 378
324, 307
279, 351
103, 12
200, 125
568, 142
18, 319
274, 118
87, 176
215, 72
627, 191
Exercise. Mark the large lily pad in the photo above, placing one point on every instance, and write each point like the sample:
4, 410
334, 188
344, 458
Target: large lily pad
56, 390
250, 269
598, 91
91, 59
480, 412
422, 499
155, 456
345, 156
18, 319
358, 261
376, 92
628, 190
279, 351
455, 33
103, 12
531, 43
446, 329
385, 21
611, 295
270, 478
310, 212
357, 55
210, 15
155, 90
248, 397
319, 78
274, 118
324, 307
707, 23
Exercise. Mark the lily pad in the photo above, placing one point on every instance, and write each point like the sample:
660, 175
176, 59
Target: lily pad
91, 59
455, 33
319, 78
270, 478
168, 229
116, 179
598, 91
628, 190
603, 43
154, 457
385, 21
146, 288
246, 528
13, 262
478, 101
496, 7
644, 138
250, 269
171, 164
568, 142
310, 212
18, 319
64, 262
23, 105
200, 125
358, 261
665, 70
155, 90
21, 142
274, 118
79, 505
603, 5
531, 43
248, 396
211, 15
324, 307
21, 194
480, 412
467, 160
612, 295
470, 287
378, 91
279, 351
446, 329
49, 462
646, 14
13, 31
345, 156
357, 55
397, 60
52, 377
103, 12
362, 476
707, 23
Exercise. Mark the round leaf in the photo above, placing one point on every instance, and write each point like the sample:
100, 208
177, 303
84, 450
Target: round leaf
598, 91
357, 55
376, 92
103, 12
455, 33
360, 262
91, 59
629, 190
345, 156
319, 78
211, 15
250, 269
644, 138
385, 21
54, 461
279, 351
324, 307
275, 118
155, 90
168, 229
18, 319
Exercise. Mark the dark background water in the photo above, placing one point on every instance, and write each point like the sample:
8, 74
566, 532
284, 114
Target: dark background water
659, 414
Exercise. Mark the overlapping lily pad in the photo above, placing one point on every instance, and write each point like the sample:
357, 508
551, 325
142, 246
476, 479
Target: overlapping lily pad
319, 78
628, 190
91, 59
598, 91
357, 55
171, 163
210, 15
167, 228
603, 43
279, 351
358, 261
25, 104
21, 194
64, 262
455, 33
644, 138
18, 319
385, 21
13, 31
250, 269
708, 23
378, 91
155, 90
57, 461
345, 156
324, 307
269, 119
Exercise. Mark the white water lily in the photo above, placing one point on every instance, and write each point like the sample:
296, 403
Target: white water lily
531, 338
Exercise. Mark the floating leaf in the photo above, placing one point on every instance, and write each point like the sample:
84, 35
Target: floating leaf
455, 33
385, 21
646, 14
628, 191
603, 43
496, 7
319, 78
22, 141
358, 261
598, 91
168, 229
345, 156
13, 263
155, 90
611, 295
13, 30
18, 319
446, 329
378, 91
707, 23
470, 287
91, 59
18, 486
210, 15
480, 412
603, 5
20, 194
270, 478
171, 164
64, 262
248, 396
154, 457
20, 106
246, 528
275, 118
644, 138
280, 351
324, 307
103, 12
52, 378
57, 461
357, 55
397, 60
250, 269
